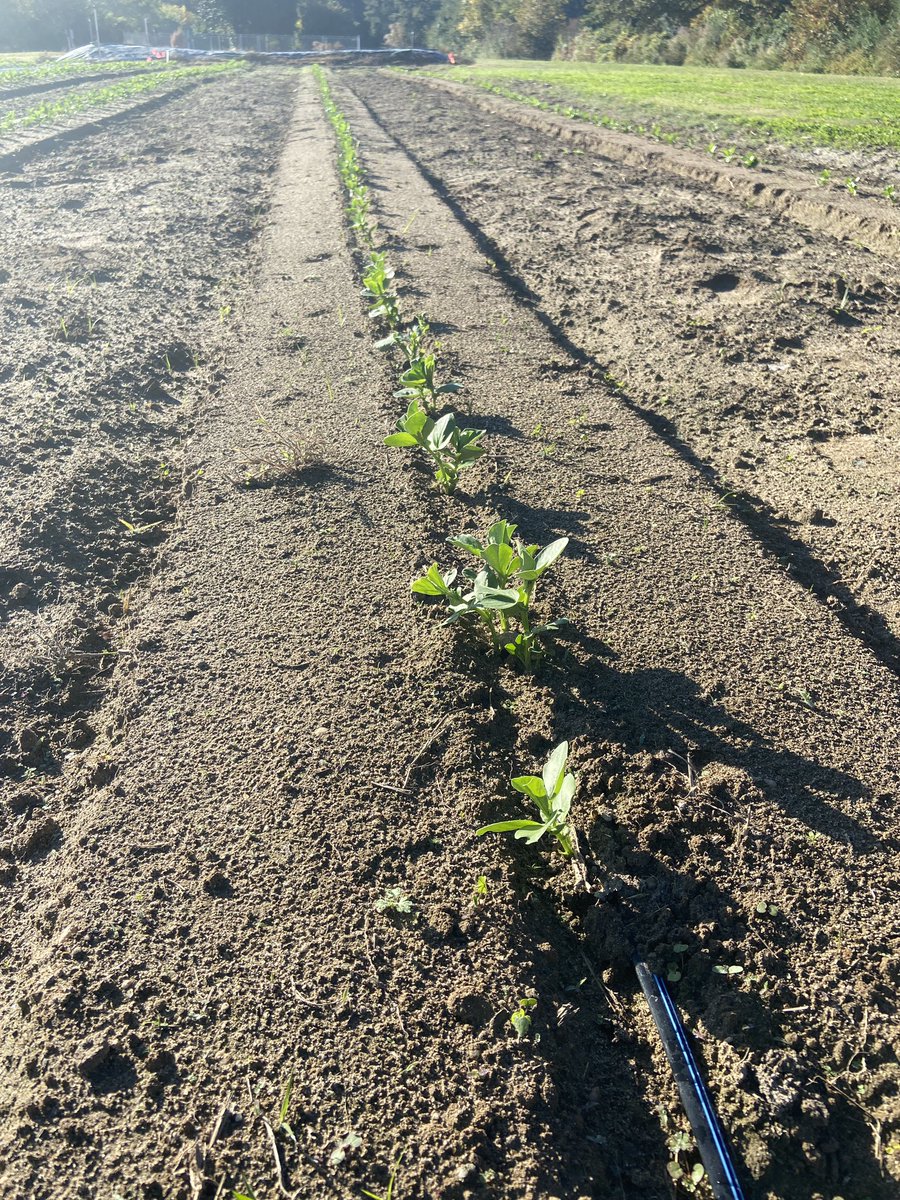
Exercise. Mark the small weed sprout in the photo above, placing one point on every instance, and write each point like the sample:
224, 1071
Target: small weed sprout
136, 530
501, 593
450, 448
343, 1146
287, 454
851, 183
395, 900
687, 1177
389, 1194
283, 1126
552, 792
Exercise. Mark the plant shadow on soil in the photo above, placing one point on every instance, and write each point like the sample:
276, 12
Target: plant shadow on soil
315, 474
665, 848
825, 583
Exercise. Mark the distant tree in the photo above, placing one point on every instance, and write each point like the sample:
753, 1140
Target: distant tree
825, 18
331, 17
539, 23
42, 24
259, 16
641, 15
443, 34
401, 20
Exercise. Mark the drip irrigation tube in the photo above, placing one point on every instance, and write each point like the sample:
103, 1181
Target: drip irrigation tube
711, 1142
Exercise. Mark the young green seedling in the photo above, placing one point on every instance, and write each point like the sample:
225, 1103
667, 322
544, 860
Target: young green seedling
450, 448
418, 383
378, 291
521, 1018
501, 592
358, 211
410, 342
552, 792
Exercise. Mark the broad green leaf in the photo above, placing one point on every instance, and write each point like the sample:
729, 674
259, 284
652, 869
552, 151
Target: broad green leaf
443, 430
502, 558
400, 439
433, 583
554, 767
507, 827
450, 388
501, 531
551, 626
521, 1023
562, 801
532, 835
498, 598
550, 554
414, 376
531, 786
465, 542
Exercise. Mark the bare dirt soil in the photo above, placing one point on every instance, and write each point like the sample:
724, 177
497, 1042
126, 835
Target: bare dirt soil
228, 730
768, 353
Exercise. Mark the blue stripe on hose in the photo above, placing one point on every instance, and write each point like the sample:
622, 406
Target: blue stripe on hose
699, 1087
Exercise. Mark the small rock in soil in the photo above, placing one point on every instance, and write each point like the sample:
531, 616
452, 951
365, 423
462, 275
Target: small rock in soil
93, 1055
80, 735
217, 884
30, 739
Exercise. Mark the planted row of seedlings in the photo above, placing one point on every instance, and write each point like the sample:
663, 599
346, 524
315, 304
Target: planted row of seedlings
495, 596
73, 103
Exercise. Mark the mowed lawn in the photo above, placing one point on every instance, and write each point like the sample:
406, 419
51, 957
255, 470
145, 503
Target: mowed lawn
849, 111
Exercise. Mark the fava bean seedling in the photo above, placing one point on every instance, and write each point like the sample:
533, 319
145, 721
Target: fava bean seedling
498, 596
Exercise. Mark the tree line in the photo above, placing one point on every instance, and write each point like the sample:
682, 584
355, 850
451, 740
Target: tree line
843, 35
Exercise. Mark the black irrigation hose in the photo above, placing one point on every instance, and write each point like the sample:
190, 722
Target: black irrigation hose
694, 1096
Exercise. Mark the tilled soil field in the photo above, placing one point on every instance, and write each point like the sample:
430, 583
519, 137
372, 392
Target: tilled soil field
229, 731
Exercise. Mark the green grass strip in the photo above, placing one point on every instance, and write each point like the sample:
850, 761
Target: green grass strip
850, 112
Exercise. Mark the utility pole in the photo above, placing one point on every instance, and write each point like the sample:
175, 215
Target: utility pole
96, 28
